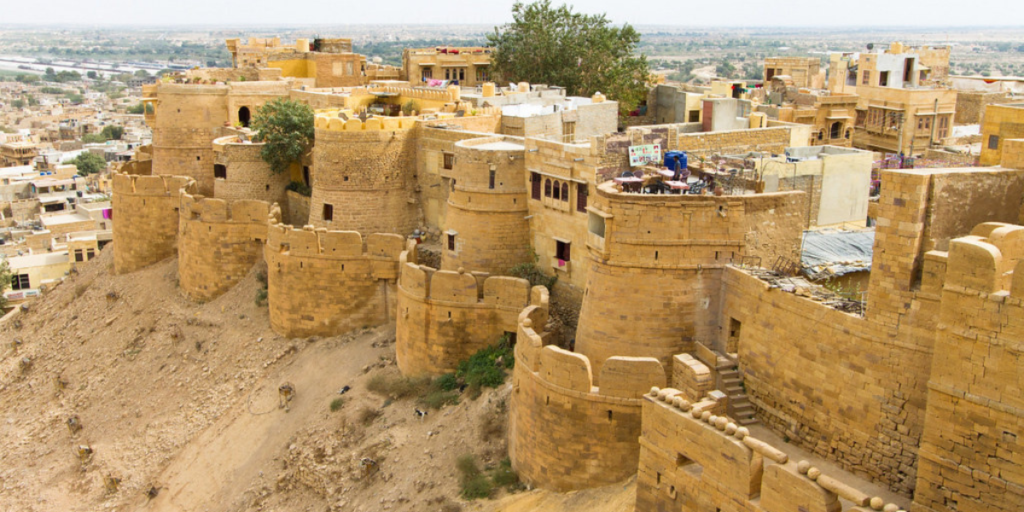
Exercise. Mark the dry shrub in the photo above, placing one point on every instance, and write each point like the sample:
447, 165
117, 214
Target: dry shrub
366, 415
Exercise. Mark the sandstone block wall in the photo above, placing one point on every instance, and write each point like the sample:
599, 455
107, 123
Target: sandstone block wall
970, 106
693, 465
444, 317
564, 433
487, 207
972, 450
365, 172
219, 242
145, 219
248, 176
654, 283
326, 283
188, 118
433, 179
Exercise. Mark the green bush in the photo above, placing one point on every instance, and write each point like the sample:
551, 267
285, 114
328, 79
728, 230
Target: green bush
474, 483
531, 273
286, 128
487, 368
300, 188
504, 475
447, 382
336, 404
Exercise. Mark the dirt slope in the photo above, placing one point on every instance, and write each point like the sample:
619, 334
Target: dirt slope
179, 402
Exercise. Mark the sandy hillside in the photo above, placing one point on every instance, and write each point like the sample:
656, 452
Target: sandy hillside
179, 402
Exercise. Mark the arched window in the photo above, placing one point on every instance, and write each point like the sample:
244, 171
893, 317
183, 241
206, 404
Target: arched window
847, 133
565, 191
821, 134
547, 188
557, 190
837, 129
243, 116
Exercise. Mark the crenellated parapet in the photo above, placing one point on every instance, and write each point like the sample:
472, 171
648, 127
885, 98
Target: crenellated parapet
324, 282
693, 458
565, 433
146, 218
219, 242
445, 316
331, 121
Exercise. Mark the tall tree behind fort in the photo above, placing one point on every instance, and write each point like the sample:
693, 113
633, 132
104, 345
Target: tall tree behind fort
581, 52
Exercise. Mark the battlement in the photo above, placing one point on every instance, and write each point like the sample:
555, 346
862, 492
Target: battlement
688, 453
321, 243
331, 121
986, 260
219, 242
143, 185
556, 409
444, 316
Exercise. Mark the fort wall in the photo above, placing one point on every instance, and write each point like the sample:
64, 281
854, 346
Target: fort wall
692, 460
363, 175
972, 449
444, 317
487, 228
435, 150
564, 433
188, 118
146, 219
673, 248
219, 242
326, 283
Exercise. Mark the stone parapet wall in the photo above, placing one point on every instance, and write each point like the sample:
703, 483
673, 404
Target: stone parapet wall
146, 219
444, 317
694, 460
219, 242
326, 283
564, 433
972, 449
188, 118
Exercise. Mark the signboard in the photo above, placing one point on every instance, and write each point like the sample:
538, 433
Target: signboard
646, 154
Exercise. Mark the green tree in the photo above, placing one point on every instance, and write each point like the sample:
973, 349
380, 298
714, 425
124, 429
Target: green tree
88, 163
5, 282
91, 75
142, 73
74, 98
580, 52
137, 109
112, 132
286, 128
93, 138
18, 104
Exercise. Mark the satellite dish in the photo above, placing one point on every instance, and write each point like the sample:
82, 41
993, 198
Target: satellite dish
871, 46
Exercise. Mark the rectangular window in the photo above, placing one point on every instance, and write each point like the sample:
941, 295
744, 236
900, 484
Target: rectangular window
867, 78
993, 142
569, 131
220, 171
535, 185
90, 254
79, 256
563, 250
328, 212
883, 78
449, 160
481, 74
428, 74
451, 242
581, 197
20, 282
595, 224
490, 183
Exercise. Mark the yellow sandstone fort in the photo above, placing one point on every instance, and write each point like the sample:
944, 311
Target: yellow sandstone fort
694, 358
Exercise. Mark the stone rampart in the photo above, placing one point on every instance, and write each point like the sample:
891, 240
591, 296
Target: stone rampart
146, 219
973, 443
486, 220
187, 119
692, 460
324, 282
241, 173
444, 317
219, 242
565, 433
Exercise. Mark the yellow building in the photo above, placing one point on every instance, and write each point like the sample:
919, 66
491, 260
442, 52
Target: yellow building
470, 66
1002, 122
329, 62
803, 71
31, 272
17, 153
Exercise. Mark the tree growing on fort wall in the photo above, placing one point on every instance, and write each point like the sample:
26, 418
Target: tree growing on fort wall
286, 128
580, 52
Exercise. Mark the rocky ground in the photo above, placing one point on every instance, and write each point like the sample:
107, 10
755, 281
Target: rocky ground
174, 406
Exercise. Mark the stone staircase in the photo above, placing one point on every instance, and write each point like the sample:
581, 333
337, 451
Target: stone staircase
730, 383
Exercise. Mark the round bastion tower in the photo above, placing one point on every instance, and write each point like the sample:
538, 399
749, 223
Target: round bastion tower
188, 118
363, 175
487, 228
656, 260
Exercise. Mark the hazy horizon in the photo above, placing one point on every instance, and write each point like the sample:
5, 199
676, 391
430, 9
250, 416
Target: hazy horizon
796, 14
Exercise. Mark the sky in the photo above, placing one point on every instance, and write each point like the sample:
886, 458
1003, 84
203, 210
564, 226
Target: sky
687, 13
